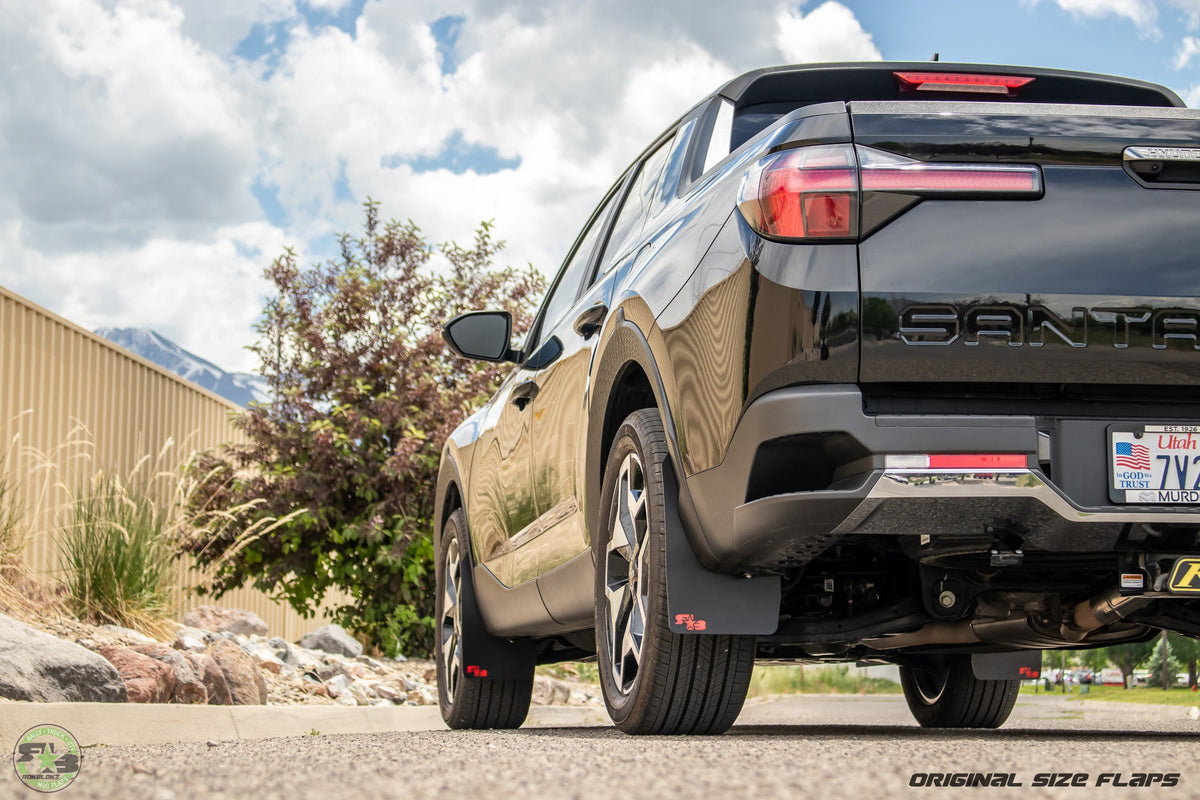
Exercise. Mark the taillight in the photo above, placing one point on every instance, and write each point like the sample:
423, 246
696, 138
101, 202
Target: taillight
805, 193
1008, 85
816, 192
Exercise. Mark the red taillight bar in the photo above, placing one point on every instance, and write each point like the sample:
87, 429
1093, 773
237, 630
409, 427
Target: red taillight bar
960, 82
963, 462
951, 178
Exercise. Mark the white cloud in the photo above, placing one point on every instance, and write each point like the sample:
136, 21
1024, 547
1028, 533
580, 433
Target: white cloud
1192, 96
132, 136
1189, 48
1142, 13
830, 32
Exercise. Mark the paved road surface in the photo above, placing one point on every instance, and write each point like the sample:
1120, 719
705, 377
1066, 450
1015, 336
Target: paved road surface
818, 747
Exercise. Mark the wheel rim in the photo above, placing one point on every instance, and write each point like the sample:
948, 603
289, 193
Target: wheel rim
451, 620
931, 683
626, 575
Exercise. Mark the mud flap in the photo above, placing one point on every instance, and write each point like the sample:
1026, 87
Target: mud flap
485, 655
1019, 665
701, 601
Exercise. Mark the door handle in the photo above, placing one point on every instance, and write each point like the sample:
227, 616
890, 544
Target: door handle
591, 320
523, 394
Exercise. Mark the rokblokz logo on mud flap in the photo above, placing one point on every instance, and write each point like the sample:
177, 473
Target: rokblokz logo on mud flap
47, 758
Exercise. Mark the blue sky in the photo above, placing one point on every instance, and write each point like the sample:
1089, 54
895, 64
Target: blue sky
159, 154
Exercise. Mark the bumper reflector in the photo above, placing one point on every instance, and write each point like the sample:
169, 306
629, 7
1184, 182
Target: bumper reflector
981, 462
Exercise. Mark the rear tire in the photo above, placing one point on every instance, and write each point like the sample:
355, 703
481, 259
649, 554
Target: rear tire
654, 681
948, 695
468, 702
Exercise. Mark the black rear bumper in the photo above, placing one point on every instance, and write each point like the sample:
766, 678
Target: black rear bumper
875, 492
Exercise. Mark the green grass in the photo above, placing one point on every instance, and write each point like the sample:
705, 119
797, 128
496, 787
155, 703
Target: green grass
1179, 696
832, 679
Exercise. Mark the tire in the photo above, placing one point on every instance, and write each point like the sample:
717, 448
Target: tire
659, 682
948, 695
467, 702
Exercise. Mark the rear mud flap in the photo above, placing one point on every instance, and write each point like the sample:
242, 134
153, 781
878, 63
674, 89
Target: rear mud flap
701, 601
1020, 665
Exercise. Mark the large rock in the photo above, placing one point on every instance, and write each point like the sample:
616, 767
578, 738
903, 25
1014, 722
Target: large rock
222, 620
246, 685
38, 666
189, 688
146, 680
332, 639
214, 679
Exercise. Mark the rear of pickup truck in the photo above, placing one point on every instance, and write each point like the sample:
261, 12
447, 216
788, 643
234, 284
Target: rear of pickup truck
1017, 465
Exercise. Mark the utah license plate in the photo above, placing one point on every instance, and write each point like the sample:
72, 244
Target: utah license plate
1154, 464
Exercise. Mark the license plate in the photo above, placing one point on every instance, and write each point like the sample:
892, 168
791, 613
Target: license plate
1154, 464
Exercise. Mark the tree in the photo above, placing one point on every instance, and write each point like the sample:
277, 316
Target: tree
1096, 659
1163, 659
334, 490
1129, 657
1187, 650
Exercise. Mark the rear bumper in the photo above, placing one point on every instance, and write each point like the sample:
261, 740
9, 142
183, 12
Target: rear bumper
733, 532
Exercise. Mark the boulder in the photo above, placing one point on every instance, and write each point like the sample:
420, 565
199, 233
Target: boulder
246, 685
214, 679
40, 667
550, 692
146, 679
189, 688
332, 639
226, 620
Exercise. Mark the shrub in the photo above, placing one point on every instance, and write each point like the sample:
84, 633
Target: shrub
335, 488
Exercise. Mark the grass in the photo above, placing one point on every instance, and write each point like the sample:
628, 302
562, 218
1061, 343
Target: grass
116, 556
1147, 695
825, 679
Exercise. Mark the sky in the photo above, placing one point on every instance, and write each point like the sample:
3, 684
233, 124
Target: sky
156, 155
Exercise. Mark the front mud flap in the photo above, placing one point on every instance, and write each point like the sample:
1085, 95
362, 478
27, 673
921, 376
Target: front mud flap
702, 601
485, 655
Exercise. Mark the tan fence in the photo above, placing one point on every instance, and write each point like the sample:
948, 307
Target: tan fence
72, 403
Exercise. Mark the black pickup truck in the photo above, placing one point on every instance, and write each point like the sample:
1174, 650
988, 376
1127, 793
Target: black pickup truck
892, 363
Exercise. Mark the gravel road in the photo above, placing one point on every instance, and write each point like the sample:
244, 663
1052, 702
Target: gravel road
814, 746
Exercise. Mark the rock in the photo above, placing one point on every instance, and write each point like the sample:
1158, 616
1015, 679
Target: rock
147, 680
332, 639
370, 662
263, 654
212, 676
430, 675
40, 667
337, 686
246, 685
385, 691
193, 640
189, 688
360, 693
226, 620
127, 634
549, 692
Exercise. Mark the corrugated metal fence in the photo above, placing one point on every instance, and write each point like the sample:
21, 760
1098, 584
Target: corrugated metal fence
73, 403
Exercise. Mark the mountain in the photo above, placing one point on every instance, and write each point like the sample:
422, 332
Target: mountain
238, 387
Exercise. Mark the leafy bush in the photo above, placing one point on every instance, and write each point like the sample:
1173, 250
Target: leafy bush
335, 489
117, 557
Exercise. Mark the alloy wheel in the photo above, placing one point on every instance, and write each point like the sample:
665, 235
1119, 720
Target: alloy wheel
626, 578
451, 627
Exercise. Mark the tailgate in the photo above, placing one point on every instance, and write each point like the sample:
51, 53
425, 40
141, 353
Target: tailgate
1095, 282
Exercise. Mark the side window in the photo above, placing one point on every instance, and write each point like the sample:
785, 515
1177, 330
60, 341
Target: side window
628, 226
669, 183
562, 296
722, 135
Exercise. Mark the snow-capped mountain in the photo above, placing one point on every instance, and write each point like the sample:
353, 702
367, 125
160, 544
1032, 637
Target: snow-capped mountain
239, 387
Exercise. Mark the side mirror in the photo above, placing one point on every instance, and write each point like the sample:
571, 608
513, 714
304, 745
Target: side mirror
481, 335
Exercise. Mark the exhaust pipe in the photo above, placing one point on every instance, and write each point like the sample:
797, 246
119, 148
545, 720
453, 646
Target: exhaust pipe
1090, 615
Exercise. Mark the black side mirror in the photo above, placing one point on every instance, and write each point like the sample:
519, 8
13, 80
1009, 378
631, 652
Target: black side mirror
481, 335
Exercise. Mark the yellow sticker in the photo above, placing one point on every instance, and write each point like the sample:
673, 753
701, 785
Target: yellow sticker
1185, 577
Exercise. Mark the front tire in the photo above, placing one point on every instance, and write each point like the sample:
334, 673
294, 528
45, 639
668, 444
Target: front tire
946, 694
467, 701
654, 681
